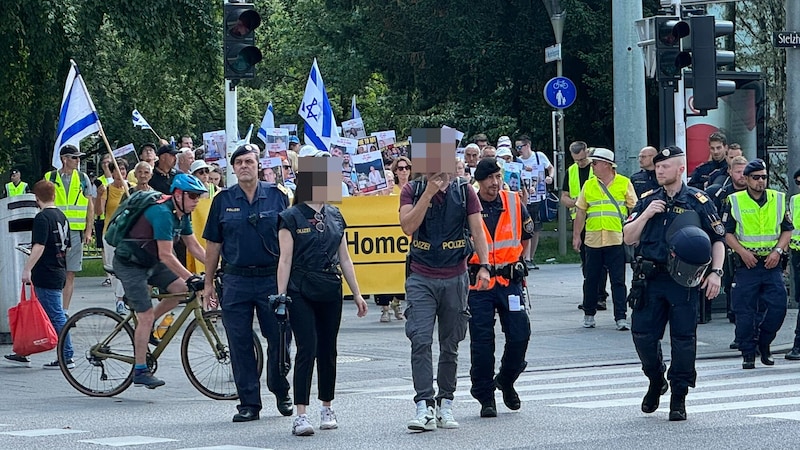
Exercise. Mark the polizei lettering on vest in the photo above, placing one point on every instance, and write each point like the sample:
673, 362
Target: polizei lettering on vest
452, 245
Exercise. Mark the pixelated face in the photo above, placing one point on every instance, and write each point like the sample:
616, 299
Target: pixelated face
319, 180
433, 150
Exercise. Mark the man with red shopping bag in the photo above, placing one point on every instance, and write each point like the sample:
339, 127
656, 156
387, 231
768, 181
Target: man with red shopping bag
46, 269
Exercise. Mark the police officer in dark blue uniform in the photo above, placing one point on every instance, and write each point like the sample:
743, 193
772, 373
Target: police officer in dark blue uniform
718, 149
242, 228
645, 179
657, 296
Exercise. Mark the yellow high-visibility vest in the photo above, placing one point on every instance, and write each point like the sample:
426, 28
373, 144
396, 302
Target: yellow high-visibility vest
73, 203
794, 213
16, 190
758, 227
602, 213
573, 176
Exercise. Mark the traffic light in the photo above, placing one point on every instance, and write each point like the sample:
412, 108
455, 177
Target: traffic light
705, 60
670, 58
240, 53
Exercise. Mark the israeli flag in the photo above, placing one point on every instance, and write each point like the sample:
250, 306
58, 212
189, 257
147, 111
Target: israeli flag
316, 111
267, 122
248, 135
354, 112
78, 117
139, 121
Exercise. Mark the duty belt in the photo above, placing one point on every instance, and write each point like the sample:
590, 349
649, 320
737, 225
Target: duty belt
250, 271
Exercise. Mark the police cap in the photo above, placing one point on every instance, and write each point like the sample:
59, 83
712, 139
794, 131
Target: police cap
754, 166
486, 167
667, 153
245, 149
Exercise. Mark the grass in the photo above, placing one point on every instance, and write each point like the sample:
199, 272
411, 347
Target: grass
92, 267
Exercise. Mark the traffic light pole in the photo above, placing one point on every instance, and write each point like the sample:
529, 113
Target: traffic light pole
231, 129
666, 114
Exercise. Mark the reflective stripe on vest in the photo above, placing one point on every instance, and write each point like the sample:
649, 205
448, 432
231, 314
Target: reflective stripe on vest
794, 213
601, 213
74, 203
12, 190
505, 247
758, 227
575, 184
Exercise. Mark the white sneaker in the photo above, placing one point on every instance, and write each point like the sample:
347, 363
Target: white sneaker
622, 325
588, 321
425, 419
301, 426
327, 419
120, 307
444, 415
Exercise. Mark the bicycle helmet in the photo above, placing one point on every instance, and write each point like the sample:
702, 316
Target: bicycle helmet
187, 183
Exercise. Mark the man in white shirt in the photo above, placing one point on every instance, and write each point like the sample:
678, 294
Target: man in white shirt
538, 169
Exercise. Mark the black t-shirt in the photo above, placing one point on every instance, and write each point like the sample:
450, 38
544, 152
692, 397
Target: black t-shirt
50, 229
583, 175
314, 250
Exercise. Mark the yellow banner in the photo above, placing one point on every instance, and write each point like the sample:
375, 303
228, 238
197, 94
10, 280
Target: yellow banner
376, 243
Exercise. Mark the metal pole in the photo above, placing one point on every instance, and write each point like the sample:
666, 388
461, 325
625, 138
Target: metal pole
562, 211
231, 129
680, 101
792, 8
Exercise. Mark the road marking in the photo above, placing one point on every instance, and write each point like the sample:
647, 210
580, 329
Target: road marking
122, 441
792, 415
226, 447
43, 432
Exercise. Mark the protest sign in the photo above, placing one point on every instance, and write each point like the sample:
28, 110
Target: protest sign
124, 150
367, 144
271, 170
353, 129
341, 145
291, 128
385, 138
512, 175
214, 142
370, 172
396, 150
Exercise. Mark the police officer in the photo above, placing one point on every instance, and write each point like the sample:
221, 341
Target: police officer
645, 179
663, 298
717, 148
758, 228
16, 186
508, 228
242, 228
721, 176
794, 244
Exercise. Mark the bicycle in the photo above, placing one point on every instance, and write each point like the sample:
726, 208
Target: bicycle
103, 345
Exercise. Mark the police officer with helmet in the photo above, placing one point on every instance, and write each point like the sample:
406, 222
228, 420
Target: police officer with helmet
242, 229
758, 230
508, 228
670, 265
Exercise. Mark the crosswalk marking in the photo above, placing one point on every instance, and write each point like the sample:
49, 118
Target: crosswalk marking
123, 441
42, 432
226, 447
791, 415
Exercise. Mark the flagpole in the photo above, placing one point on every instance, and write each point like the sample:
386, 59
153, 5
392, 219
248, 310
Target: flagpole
154, 132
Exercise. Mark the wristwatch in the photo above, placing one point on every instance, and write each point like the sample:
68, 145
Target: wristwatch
779, 250
487, 267
719, 272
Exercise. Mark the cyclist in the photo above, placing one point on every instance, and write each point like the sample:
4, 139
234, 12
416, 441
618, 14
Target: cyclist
145, 257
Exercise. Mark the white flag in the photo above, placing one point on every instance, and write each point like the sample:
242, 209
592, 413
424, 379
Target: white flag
267, 122
78, 117
316, 111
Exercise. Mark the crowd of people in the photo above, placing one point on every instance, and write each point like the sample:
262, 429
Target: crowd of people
474, 231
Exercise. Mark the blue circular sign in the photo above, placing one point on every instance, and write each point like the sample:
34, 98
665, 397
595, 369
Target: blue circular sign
560, 92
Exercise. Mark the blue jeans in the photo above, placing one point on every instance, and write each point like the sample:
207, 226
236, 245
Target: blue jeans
50, 300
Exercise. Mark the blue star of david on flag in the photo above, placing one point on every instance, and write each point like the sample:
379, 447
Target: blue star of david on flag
320, 125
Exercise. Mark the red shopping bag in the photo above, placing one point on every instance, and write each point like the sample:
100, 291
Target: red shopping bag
31, 329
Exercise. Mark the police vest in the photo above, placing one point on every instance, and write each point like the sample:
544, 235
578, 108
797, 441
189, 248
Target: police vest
758, 227
73, 203
441, 239
794, 211
505, 247
602, 213
12, 190
574, 178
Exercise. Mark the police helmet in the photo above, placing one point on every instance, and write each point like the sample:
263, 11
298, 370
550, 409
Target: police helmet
689, 255
188, 183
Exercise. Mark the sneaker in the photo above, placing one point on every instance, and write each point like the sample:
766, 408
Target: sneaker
398, 314
425, 419
444, 415
106, 282
145, 378
385, 316
17, 360
301, 426
327, 419
588, 322
120, 307
622, 325
54, 365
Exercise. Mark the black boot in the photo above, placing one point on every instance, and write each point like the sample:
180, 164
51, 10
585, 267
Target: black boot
749, 362
766, 355
510, 396
677, 407
652, 398
793, 355
489, 409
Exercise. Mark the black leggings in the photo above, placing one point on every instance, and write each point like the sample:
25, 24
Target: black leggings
316, 328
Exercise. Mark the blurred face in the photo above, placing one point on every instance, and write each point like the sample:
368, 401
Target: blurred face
471, 157
668, 172
246, 168
120, 175
757, 181
717, 150
646, 158
389, 178
187, 158
167, 161
580, 159
506, 158
214, 178
490, 187
482, 144
738, 178
143, 175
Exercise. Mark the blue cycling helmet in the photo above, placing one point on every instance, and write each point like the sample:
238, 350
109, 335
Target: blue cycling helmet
188, 183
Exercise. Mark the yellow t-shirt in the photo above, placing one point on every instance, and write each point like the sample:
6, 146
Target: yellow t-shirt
113, 199
606, 238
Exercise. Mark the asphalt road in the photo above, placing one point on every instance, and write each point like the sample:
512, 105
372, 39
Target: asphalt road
582, 389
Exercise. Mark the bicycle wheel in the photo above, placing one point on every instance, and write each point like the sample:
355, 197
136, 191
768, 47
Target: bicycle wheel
98, 372
210, 372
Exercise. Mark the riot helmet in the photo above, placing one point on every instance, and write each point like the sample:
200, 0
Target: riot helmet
689, 250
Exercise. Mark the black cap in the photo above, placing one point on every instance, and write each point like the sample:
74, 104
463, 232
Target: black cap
167, 149
754, 166
667, 153
244, 149
70, 150
14, 171
486, 167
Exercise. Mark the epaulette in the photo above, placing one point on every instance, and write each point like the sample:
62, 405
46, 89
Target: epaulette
645, 194
283, 189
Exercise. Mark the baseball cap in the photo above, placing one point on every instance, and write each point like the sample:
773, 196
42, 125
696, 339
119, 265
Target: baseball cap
14, 171
70, 150
167, 149
294, 139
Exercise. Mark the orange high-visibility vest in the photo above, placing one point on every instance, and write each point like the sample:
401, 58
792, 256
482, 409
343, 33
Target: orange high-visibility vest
505, 247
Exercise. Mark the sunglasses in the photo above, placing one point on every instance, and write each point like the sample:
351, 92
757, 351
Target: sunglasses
403, 167
761, 177
201, 171
287, 167
193, 195
320, 225
73, 157
519, 147
797, 182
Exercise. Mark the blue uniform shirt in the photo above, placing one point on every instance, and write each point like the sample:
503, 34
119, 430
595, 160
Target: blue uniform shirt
701, 173
643, 181
247, 231
653, 241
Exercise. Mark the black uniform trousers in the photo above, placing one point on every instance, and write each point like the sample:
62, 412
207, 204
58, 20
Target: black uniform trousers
241, 297
517, 329
667, 301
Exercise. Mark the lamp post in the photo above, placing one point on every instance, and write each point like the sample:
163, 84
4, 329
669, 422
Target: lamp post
557, 18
